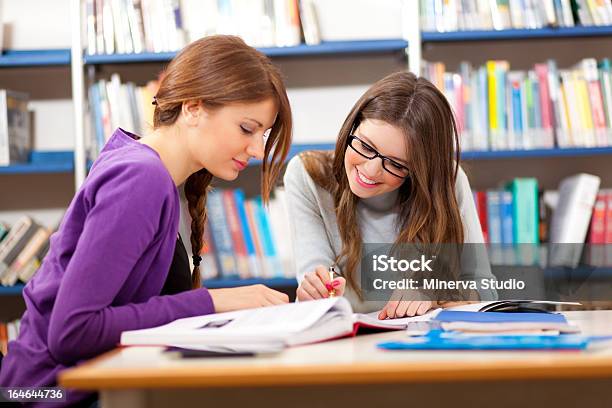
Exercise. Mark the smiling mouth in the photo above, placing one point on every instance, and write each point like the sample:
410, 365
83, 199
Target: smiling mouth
364, 181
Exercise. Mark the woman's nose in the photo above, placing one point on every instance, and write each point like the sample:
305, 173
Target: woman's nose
374, 167
256, 147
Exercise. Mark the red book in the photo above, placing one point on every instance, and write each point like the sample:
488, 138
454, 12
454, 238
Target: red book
481, 206
608, 220
545, 102
598, 220
597, 231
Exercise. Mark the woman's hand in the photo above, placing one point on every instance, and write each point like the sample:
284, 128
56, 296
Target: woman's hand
246, 297
400, 306
316, 285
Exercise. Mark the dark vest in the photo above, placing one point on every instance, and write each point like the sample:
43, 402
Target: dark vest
179, 276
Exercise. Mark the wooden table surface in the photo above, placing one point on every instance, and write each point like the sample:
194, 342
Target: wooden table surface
345, 361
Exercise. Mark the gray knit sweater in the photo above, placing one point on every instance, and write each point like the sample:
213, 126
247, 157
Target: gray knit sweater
316, 239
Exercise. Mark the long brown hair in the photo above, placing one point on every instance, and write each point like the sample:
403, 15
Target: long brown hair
220, 70
429, 212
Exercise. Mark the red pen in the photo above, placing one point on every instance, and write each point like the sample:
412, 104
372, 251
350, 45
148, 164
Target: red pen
330, 289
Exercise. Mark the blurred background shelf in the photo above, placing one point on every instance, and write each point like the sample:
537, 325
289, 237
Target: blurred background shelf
231, 283
325, 48
30, 58
11, 290
477, 155
517, 34
518, 154
42, 162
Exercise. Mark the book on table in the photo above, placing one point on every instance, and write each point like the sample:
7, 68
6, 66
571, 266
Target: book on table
272, 328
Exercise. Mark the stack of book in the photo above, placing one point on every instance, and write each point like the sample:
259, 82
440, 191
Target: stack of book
243, 239
459, 15
500, 109
515, 220
22, 248
113, 104
511, 215
135, 26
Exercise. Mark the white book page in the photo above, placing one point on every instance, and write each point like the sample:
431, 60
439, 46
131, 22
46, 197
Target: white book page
253, 323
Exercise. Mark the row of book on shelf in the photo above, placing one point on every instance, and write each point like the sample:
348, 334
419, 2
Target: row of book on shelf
502, 109
114, 104
135, 26
22, 249
458, 15
496, 108
516, 219
244, 239
8, 332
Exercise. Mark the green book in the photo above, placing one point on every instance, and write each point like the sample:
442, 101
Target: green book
605, 76
525, 210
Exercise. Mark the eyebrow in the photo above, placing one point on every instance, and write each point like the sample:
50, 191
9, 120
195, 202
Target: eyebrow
253, 120
401, 161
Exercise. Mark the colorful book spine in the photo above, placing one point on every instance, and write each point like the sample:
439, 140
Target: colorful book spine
253, 261
237, 233
269, 247
494, 222
525, 210
608, 228
526, 217
597, 232
481, 199
250, 210
221, 235
605, 78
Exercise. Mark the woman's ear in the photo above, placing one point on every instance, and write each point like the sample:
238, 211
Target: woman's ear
191, 111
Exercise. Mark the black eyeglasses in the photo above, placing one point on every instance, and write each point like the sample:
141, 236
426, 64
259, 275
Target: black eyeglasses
370, 153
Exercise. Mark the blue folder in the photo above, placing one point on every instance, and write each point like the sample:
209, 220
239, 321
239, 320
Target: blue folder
438, 340
498, 317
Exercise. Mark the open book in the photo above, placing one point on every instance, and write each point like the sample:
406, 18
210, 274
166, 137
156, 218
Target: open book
267, 328
276, 327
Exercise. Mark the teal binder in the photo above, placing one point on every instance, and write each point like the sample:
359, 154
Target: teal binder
439, 340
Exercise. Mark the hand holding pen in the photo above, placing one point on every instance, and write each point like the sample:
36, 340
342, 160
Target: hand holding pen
320, 284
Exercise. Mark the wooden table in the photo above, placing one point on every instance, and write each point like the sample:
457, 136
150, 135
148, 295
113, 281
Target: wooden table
353, 372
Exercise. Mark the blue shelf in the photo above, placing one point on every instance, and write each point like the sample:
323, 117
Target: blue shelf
325, 48
11, 58
521, 154
128, 58
43, 162
476, 155
517, 34
338, 47
11, 290
231, 283
296, 149
211, 284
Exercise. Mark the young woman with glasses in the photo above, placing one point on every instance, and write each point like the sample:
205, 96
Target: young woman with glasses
394, 177
110, 264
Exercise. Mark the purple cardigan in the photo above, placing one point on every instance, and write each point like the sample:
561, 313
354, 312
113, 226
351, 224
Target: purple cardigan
105, 269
